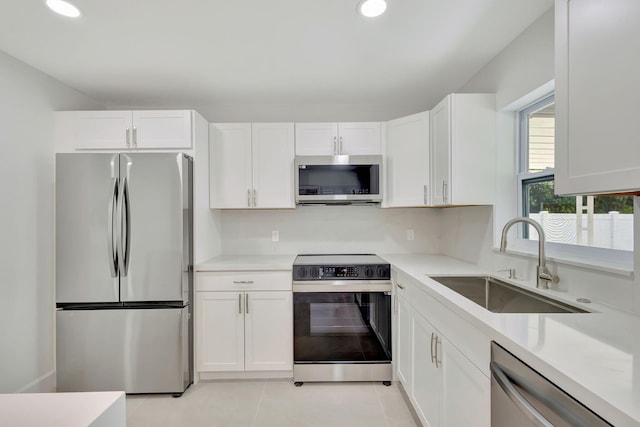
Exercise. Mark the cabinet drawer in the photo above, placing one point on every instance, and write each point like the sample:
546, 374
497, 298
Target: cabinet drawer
243, 280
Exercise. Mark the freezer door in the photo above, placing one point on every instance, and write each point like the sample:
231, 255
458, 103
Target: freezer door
86, 188
135, 350
156, 218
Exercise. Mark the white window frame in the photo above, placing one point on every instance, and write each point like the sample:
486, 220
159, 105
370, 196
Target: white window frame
612, 260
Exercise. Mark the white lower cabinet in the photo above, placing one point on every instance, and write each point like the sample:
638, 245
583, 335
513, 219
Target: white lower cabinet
467, 400
243, 330
402, 355
444, 386
426, 389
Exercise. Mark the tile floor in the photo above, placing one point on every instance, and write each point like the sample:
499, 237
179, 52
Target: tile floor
273, 403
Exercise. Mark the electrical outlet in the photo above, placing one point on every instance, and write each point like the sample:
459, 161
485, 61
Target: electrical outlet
275, 236
410, 234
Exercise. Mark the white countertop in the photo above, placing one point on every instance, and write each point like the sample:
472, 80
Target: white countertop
595, 357
247, 263
99, 409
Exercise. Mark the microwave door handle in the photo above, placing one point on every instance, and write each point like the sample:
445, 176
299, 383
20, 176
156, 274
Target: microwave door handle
523, 404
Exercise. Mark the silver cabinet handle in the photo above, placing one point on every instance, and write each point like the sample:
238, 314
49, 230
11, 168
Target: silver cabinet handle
113, 202
433, 337
249, 198
399, 285
335, 145
445, 196
425, 194
237, 282
254, 198
246, 303
135, 137
239, 303
340, 148
435, 353
523, 404
127, 134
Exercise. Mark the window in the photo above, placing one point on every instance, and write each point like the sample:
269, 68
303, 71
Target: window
596, 221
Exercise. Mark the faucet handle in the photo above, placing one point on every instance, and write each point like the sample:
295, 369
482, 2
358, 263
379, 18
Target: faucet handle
511, 271
545, 276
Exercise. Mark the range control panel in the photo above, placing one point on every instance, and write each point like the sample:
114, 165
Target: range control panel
342, 272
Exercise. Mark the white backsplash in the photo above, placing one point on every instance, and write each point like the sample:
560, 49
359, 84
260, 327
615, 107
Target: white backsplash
330, 229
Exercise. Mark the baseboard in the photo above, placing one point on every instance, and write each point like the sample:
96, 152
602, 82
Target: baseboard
249, 375
43, 384
413, 412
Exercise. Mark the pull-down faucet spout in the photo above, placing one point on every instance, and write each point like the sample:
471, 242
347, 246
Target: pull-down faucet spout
543, 273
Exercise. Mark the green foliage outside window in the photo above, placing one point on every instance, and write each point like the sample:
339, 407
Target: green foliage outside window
541, 197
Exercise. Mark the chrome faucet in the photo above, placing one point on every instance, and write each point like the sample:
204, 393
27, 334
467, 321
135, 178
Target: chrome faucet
543, 273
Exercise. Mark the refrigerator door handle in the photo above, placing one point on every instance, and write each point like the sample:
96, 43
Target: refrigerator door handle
113, 255
124, 233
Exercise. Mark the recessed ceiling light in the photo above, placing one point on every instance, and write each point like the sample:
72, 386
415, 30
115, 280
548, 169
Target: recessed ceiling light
64, 8
372, 8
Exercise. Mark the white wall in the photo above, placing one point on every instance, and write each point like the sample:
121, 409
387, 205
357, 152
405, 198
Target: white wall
330, 229
27, 100
471, 233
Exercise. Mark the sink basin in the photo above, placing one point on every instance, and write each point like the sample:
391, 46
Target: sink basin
501, 297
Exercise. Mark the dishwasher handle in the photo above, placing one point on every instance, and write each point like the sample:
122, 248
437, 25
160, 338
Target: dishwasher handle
525, 407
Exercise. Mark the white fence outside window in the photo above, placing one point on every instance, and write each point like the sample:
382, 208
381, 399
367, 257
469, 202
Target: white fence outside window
613, 230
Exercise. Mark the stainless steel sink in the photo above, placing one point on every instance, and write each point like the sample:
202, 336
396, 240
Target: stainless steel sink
501, 297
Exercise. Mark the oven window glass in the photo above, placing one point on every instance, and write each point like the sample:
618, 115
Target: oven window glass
338, 179
342, 327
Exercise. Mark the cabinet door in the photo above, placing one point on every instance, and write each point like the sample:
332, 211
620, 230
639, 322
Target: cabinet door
597, 92
273, 152
359, 138
466, 391
102, 130
219, 331
426, 378
441, 152
230, 163
403, 342
407, 161
316, 139
268, 331
162, 129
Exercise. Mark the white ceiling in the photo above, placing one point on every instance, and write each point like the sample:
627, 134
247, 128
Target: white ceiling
200, 52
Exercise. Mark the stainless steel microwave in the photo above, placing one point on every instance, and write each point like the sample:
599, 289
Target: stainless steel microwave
339, 179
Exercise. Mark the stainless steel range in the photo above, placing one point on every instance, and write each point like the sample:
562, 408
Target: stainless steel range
342, 318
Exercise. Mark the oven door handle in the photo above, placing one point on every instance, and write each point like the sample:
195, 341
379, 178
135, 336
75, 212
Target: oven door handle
516, 397
354, 286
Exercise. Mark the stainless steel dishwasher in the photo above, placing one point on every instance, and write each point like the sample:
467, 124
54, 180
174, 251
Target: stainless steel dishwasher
520, 396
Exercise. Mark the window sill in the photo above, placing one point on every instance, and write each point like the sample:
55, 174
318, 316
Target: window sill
614, 262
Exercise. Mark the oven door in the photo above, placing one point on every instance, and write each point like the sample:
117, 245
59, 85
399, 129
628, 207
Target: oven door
342, 327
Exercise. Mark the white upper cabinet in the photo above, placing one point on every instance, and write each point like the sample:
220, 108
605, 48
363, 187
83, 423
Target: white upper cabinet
407, 161
230, 165
316, 139
596, 95
331, 139
161, 129
272, 152
252, 165
359, 138
463, 150
125, 130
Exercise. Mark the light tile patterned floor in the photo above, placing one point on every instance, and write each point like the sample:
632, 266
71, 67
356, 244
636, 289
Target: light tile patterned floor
273, 403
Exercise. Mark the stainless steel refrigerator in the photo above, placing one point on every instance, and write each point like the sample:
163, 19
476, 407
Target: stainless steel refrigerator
124, 272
